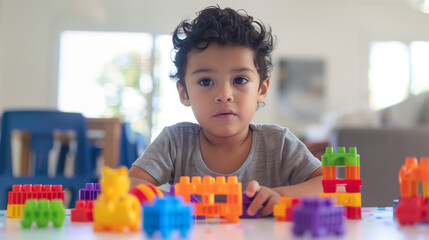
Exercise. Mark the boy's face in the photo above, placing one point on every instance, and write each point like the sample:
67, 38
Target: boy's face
223, 88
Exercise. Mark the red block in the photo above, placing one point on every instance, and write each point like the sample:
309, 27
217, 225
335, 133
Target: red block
57, 192
409, 210
139, 194
83, 211
47, 192
27, 192
13, 197
352, 185
37, 192
20, 194
353, 212
425, 209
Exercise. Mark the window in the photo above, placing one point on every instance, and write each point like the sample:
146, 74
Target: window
397, 70
120, 74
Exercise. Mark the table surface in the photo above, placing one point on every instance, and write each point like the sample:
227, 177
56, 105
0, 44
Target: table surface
376, 223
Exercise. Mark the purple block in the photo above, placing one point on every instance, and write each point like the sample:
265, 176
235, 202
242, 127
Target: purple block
319, 216
173, 193
90, 192
246, 203
193, 200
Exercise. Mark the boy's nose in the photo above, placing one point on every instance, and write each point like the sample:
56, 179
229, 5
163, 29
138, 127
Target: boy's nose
224, 95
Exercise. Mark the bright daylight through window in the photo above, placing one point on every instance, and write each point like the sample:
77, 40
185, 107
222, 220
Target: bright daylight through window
397, 70
120, 74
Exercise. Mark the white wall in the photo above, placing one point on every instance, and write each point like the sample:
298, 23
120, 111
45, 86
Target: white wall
337, 31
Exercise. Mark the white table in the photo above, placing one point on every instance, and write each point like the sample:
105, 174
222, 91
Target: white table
377, 223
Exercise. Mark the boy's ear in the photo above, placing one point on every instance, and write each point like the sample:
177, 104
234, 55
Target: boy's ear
263, 90
183, 95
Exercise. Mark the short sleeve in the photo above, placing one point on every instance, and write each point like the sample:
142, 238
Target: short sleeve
299, 161
158, 158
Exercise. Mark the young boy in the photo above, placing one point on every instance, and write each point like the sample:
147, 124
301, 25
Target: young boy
223, 62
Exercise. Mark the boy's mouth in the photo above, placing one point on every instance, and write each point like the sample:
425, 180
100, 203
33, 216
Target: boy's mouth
225, 113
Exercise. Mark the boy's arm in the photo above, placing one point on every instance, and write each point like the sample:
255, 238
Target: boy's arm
311, 186
140, 176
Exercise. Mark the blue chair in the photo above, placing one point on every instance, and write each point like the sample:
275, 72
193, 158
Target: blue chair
41, 124
132, 144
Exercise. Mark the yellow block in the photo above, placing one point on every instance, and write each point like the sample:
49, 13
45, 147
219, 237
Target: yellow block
425, 189
345, 199
15, 210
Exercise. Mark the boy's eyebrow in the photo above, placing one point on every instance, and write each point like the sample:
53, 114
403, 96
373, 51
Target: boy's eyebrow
245, 69
201, 70
205, 70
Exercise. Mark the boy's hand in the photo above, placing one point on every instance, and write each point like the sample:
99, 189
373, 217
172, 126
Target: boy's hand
264, 196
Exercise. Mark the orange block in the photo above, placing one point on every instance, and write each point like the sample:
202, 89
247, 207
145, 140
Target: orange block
352, 172
329, 172
409, 177
283, 210
424, 169
208, 188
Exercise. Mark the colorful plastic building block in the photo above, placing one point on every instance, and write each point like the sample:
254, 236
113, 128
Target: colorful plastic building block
83, 211
352, 203
42, 212
319, 216
424, 175
90, 192
409, 177
345, 199
146, 193
351, 161
352, 186
173, 193
341, 157
166, 215
231, 210
413, 208
15, 210
115, 209
246, 203
353, 212
409, 211
19, 194
283, 211
332, 160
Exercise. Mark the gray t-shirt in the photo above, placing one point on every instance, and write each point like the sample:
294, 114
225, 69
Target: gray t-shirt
276, 158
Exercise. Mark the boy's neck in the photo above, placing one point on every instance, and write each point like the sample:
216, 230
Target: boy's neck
226, 143
225, 155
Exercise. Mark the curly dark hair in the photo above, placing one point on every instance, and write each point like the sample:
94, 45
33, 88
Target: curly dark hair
222, 26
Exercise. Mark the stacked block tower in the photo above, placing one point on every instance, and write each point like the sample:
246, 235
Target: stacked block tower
351, 199
84, 206
412, 207
19, 194
231, 210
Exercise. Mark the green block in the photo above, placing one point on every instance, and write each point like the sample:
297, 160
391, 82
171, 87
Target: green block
341, 157
58, 214
43, 213
29, 213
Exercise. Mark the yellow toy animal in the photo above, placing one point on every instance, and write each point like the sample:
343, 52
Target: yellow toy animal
115, 209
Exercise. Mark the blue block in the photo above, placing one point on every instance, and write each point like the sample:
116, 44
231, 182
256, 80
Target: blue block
166, 215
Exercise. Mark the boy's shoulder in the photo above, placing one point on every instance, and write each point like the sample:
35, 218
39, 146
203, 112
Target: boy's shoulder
268, 128
183, 127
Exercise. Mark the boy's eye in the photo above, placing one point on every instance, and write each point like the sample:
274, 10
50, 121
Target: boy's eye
205, 82
240, 80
